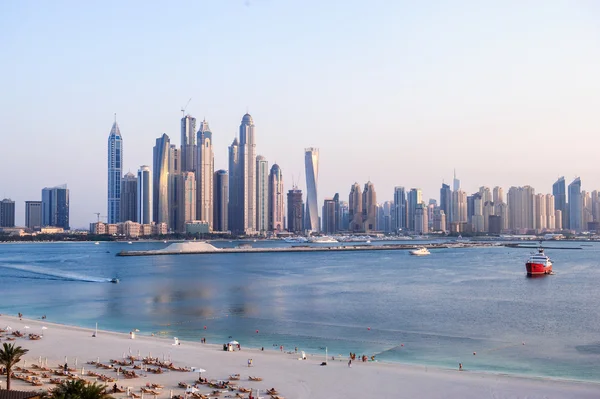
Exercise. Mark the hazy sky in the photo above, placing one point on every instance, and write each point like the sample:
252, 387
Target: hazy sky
400, 93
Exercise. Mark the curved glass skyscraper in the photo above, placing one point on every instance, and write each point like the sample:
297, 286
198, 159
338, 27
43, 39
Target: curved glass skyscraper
160, 197
115, 165
311, 163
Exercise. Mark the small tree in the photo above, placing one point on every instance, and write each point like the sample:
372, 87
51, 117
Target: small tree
79, 389
9, 357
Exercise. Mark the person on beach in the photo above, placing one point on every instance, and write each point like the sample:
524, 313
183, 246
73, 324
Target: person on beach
459, 366
350, 363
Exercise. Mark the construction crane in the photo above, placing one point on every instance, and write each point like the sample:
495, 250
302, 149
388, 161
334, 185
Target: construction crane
184, 108
98, 216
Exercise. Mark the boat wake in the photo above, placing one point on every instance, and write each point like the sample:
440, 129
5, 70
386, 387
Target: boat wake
43, 272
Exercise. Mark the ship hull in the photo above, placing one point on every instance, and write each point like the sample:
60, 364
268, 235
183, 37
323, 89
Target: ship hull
537, 269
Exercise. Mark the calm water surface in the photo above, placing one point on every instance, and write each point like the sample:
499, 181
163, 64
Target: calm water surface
435, 310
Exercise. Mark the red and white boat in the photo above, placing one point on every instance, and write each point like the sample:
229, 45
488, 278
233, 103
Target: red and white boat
539, 264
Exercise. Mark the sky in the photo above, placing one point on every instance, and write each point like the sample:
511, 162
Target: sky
400, 93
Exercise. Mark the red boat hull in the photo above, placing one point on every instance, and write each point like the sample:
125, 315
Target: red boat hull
537, 268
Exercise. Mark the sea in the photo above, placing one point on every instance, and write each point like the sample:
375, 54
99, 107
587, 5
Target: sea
474, 306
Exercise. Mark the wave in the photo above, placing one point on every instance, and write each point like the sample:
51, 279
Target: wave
56, 274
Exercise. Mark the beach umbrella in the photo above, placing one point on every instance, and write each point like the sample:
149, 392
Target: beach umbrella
234, 342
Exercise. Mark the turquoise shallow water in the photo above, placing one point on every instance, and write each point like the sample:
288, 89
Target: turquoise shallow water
434, 310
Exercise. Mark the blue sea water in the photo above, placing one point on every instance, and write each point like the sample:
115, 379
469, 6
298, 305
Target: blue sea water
435, 310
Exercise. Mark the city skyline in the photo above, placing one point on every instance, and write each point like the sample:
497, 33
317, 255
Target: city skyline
460, 86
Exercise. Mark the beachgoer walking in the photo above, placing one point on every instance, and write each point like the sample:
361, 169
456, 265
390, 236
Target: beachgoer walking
459, 366
281, 348
350, 363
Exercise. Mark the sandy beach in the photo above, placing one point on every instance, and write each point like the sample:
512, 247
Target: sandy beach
292, 378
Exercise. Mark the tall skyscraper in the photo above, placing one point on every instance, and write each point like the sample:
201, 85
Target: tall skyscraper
276, 199
421, 221
33, 214
188, 143
560, 200
455, 182
369, 211
247, 161
295, 211
415, 197
498, 195
115, 167
160, 183
446, 199
176, 191
541, 216
262, 194
236, 192
575, 209
7, 213
311, 163
129, 198
355, 209
55, 206
521, 208
145, 194
329, 216
205, 171
459, 206
189, 198
400, 214
550, 213
221, 201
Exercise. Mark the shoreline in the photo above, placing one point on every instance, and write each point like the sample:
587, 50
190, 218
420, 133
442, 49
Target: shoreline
66, 339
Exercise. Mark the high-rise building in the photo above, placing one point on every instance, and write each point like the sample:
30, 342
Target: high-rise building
558, 219
7, 213
446, 199
311, 163
456, 182
188, 143
160, 181
189, 198
459, 206
477, 220
355, 209
560, 200
236, 192
421, 222
439, 220
33, 214
55, 206
344, 216
129, 201
521, 208
262, 194
399, 215
329, 216
498, 195
541, 215
596, 205
295, 211
415, 197
115, 166
176, 191
575, 202
369, 211
550, 213
276, 199
247, 162
221, 201
144, 195
205, 171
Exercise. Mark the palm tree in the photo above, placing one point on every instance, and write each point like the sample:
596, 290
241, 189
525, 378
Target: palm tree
79, 389
9, 357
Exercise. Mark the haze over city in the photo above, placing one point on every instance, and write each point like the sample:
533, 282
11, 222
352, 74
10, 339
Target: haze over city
392, 92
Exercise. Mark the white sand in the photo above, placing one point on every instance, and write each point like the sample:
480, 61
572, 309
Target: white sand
293, 378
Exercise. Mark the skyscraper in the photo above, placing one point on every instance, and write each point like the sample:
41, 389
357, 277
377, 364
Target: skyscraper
144, 195
399, 209
415, 197
129, 198
188, 143
355, 209
311, 163
7, 213
33, 214
560, 200
541, 216
459, 206
262, 194
235, 221
295, 211
521, 208
115, 165
421, 219
550, 212
160, 181
205, 171
176, 191
189, 199
276, 205
221, 201
247, 161
446, 199
575, 214
329, 216
369, 212
55, 206
455, 182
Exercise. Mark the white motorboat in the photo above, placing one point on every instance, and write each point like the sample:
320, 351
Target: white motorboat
323, 240
422, 251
